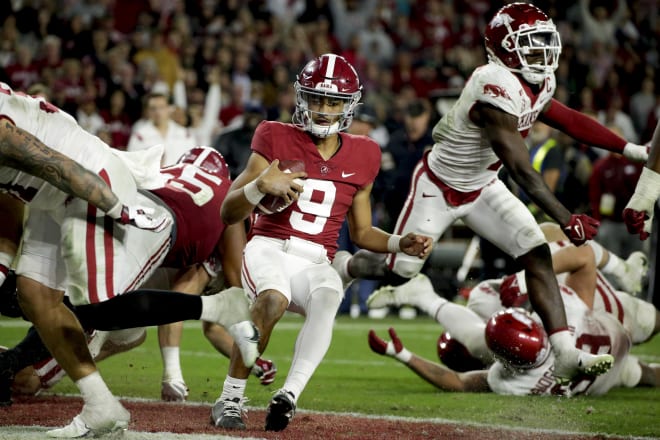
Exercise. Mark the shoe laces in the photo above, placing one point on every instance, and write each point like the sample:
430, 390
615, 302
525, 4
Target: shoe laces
235, 407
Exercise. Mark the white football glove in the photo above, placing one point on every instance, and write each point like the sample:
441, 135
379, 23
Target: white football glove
140, 216
636, 153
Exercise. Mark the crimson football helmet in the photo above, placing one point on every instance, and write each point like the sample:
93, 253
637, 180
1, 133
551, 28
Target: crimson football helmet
455, 355
208, 159
517, 339
332, 76
521, 30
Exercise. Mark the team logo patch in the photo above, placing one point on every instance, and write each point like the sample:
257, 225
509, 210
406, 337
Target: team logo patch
495, 91
324, 168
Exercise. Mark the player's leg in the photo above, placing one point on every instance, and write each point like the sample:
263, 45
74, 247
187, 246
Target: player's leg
318, 291
503, 219
265, 274
425, 212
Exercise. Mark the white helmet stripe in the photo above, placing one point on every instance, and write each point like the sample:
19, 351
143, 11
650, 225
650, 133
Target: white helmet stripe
329, 72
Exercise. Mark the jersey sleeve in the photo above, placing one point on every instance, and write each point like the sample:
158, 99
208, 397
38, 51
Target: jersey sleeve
262, 140
498, 87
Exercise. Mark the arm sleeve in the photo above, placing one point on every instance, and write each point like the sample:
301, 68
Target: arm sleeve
581, 127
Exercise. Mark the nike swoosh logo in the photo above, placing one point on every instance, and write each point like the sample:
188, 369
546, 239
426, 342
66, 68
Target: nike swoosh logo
345, 175
428, 195
578, 231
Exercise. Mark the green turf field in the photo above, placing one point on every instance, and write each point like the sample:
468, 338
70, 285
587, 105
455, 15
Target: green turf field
353, 379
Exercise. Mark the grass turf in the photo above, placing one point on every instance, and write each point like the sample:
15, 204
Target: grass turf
354, 379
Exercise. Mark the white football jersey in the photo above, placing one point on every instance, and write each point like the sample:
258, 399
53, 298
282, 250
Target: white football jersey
59, 131
594, 332
461, 157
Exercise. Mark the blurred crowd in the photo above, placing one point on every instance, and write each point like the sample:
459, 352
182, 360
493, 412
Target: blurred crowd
223, 65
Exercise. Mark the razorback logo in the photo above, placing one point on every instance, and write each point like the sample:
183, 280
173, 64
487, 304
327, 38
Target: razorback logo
495, 91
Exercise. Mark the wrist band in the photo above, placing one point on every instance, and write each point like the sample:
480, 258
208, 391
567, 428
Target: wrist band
252, 193
394, 244
115, 211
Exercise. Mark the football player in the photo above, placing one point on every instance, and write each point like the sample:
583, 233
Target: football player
523, 360
463, 347
188, 189
83, 195
483, 131
286, 263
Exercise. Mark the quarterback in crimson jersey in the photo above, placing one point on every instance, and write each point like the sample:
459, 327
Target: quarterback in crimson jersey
329, 187
287, 261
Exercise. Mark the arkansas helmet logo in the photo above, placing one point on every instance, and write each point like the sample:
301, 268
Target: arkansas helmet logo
495, 91
501, 20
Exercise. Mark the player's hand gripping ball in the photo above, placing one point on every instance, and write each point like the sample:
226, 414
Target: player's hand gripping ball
271, 204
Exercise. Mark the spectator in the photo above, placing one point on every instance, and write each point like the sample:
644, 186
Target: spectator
405, 148
642, 103
88, 116
349, 16
24, 71
159, 128
201, 113
117, 121
234, 144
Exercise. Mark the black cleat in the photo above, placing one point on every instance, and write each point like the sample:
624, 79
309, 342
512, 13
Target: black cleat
280, 411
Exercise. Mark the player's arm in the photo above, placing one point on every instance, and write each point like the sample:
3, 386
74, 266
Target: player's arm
11, 213
258, 179
434, 373
231, 246
501, 130
589, 131
447, 379
23, 151
369, 237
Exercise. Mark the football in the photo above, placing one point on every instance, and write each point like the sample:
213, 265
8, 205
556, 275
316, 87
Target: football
271, 204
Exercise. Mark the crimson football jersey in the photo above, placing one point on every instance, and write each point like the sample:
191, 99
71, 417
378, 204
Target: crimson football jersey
195, 198
328, 193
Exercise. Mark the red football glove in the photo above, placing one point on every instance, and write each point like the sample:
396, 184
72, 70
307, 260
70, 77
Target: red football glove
392, 348
635, 221
512, 294
580, 228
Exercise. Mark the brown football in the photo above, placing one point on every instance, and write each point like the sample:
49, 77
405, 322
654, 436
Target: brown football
271, 204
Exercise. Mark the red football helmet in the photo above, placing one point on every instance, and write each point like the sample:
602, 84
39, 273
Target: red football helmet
329, 75
519, 30
516, 338
455, 355
208, 159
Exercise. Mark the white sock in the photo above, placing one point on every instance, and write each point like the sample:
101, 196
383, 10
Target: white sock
614, 266
93, 389
233, 388
313, 339
210, 310
466, 327
431, 307
171, 364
